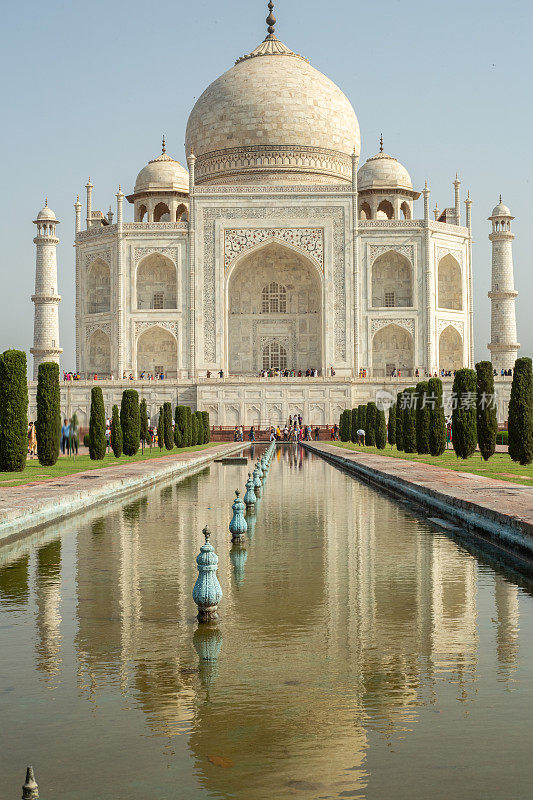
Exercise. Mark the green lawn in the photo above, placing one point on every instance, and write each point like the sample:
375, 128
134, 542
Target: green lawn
499, 466
67, 465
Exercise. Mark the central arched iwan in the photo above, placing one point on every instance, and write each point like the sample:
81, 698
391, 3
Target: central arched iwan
274, 302
392, 350
157, 352
392, 281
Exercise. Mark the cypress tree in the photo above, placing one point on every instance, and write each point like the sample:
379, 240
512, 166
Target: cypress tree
144, 423
169, 433
130, 421
189, 427
381, 429
161, 429
520, 421
361, 418
13, 411
199, 427
391, 426
116, 433
487, 423
342, 426
353, 432
194, 429
422, 418
181, 426
48, 426
464, 415
399, 421
371, 419
437, 420
207, 427
97, 437
177, 431
409, 421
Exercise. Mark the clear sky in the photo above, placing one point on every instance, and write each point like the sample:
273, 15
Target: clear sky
89, 88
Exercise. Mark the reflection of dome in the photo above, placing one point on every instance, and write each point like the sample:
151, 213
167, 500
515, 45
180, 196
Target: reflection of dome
273, 113
162, 173
383, 172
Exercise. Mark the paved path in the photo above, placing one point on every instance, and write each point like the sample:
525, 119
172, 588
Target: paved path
500, 509
22, 508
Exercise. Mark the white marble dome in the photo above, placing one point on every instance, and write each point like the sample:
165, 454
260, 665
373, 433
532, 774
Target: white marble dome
162, 174
383, 172
46, 214
270, 115
501, 210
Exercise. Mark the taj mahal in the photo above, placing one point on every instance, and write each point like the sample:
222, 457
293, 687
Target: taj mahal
274, 249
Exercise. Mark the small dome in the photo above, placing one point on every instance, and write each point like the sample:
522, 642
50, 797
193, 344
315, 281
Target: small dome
501, 210
162, 173
46, 214
383, 172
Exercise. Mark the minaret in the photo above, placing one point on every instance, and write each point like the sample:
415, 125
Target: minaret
503, 345
46, 298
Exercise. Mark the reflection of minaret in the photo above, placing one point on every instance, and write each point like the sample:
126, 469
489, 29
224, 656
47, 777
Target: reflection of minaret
506, 601
48, 618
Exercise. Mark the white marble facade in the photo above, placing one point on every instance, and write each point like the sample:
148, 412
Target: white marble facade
273, 249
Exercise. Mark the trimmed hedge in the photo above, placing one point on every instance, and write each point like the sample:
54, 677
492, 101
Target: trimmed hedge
345, 425
130, 421
399, 421
48, 425
116, 433
189, 427
381, 430
464, 425
391, 425
169, 433
194, 429
437, 419
520, 425
13, 411
371, 421
487, 423
207, 427
199, 427
354, 425
409, 421
361, 417
422, 418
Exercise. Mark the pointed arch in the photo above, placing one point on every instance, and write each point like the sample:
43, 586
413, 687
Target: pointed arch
98, 287
161, 213
365, 212
156, 279
385, 210
450, 283
99, 354
157, 352
392, 281
451, 349
392, 350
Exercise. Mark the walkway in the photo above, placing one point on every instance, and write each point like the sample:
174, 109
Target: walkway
25, 507
500, 510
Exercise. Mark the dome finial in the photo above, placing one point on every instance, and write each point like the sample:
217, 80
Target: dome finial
163, 145
46, 201
271, 19
500, 197
381, 143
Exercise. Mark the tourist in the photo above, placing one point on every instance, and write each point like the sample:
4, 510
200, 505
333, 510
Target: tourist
272, 436
241, 434
208, 375
65, 434
32, 440
221, 373
251, 435
73, 441
360, 436
317, 433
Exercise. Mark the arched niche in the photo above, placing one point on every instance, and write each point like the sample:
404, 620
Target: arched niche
294, 321
182, 213
142, 213
405, 210
450, 283
450, 349
392, 349
392, 281
365, 212
385, 210
161, 213
156, 283
157, 352
98, 289
99, 354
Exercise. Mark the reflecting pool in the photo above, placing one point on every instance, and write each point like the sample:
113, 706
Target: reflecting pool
362, 653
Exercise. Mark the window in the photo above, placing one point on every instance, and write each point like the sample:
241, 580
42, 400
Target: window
274, 356
159, 300
274, 299
389, 299
159, 369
